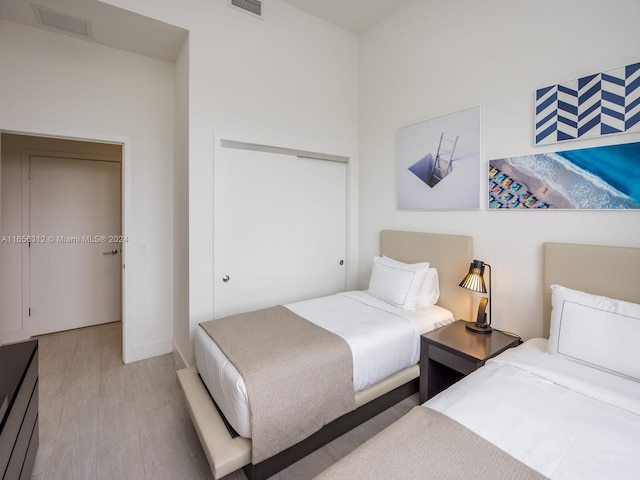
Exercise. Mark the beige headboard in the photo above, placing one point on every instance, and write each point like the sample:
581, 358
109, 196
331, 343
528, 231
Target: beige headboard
450, 254
600, 270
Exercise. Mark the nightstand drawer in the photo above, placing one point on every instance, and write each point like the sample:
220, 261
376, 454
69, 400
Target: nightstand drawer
451, 360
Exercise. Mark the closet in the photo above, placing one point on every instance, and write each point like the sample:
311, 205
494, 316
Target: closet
279, 227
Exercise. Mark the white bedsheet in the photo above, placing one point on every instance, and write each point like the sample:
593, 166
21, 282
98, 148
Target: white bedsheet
383, 340
564, 419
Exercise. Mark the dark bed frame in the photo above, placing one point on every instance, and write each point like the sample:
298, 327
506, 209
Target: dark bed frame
329, 432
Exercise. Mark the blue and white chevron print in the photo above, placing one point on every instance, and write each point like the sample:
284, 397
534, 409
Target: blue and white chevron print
599, 104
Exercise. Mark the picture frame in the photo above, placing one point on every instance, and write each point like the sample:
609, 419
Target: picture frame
595, 178
438, 163
594, 105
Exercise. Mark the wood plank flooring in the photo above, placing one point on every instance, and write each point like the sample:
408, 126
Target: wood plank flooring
103, 420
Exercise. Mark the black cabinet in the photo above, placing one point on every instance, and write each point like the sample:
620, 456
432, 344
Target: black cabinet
18, 409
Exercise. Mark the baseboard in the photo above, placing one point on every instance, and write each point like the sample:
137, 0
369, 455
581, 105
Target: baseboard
179, 358
149, 350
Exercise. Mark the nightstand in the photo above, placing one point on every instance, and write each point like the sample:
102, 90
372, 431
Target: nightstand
452, 352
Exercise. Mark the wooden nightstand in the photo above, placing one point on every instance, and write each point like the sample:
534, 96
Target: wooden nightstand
452, 352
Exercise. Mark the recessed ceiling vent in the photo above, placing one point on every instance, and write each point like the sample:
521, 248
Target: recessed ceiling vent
253, 7
61, 21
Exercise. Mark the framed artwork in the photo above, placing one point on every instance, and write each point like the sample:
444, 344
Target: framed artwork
438, 163
598, 104
589, 178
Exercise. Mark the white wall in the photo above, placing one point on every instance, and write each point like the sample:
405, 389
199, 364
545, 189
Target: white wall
59, 86
181, 205
432, 58
288, 80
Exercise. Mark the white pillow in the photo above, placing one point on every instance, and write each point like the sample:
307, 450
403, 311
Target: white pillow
397, 283
598, 331
430, 291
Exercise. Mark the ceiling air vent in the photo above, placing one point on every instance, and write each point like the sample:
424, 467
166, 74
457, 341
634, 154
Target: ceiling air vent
61, 21
253, 7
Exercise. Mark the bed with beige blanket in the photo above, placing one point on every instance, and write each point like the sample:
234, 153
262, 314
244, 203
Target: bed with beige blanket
289, 386
566, 407
332, 377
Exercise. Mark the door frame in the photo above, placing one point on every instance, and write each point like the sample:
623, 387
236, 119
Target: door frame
126, 196
26, 219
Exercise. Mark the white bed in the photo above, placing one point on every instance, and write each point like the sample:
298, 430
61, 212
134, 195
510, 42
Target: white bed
384, 339
564, 419
376, 385
568, 407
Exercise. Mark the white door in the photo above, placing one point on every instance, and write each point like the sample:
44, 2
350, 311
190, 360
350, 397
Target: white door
322, 220
281, 229
75, 254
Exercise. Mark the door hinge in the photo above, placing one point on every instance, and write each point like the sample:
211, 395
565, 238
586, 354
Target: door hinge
29, 174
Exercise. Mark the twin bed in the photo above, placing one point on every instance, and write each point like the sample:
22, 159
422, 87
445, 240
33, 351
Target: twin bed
563, 407
382, 328
567, 407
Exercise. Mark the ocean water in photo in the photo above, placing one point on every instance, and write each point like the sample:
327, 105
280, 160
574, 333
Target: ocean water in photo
582, 188
618, 166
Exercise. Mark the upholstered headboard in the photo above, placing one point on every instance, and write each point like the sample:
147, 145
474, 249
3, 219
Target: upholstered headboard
600, 270
450, 254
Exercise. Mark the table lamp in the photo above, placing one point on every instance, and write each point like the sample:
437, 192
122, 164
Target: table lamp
474, 281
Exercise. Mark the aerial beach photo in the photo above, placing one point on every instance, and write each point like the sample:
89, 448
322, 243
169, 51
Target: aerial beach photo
592, 178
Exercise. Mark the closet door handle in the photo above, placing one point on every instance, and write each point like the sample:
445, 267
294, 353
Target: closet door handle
226, 278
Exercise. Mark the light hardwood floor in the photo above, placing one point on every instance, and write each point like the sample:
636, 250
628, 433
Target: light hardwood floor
103, 420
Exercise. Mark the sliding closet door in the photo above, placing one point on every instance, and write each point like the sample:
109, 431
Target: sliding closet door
322, 217
280, 229
255, 207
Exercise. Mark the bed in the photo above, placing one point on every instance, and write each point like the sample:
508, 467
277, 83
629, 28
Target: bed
562, 407
372, 392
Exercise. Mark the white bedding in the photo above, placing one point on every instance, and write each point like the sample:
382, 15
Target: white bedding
383, 340
564, 419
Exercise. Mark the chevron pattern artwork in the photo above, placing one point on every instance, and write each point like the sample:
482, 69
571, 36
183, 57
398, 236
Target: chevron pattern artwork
599, 104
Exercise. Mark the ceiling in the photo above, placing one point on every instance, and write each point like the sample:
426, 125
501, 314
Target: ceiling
107, 25
115, 27
352, 15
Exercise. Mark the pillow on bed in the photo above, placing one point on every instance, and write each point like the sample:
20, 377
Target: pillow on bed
598, 331
430, 291
397, 283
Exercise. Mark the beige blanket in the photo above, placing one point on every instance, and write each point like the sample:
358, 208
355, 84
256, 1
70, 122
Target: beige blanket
426, 444
299, 376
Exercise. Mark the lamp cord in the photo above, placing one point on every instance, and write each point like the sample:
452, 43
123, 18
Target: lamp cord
490, 292
511, 334
490, 305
